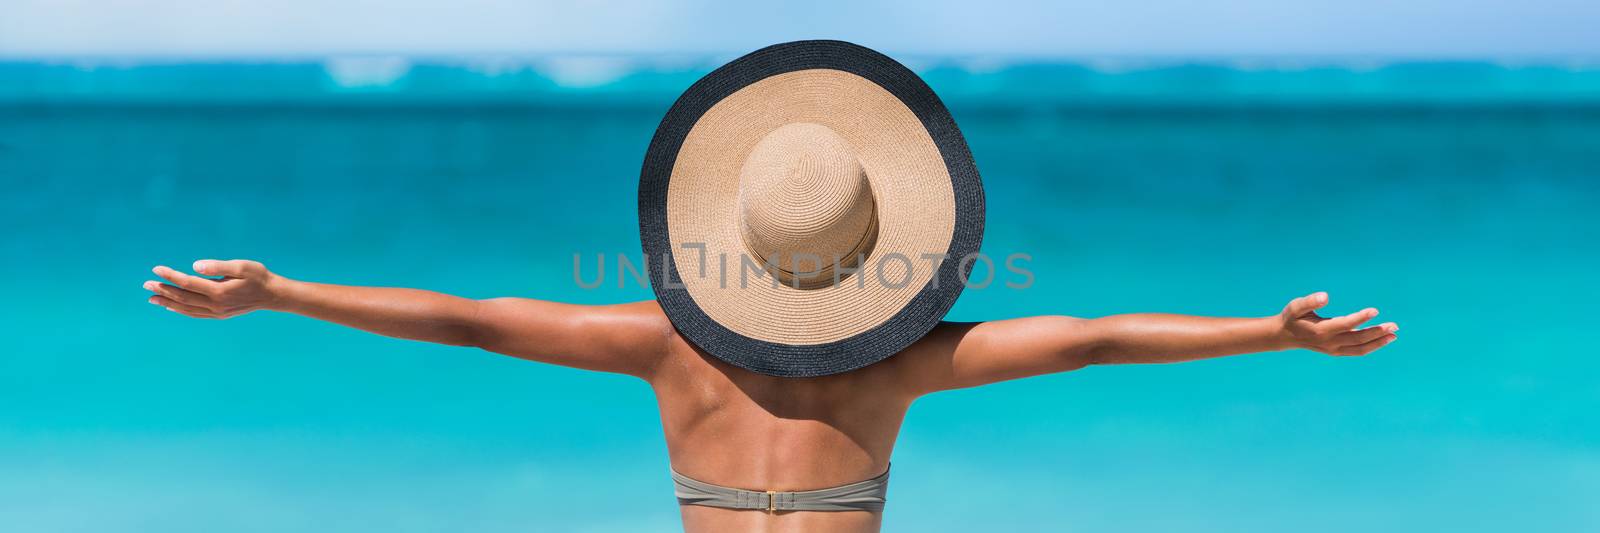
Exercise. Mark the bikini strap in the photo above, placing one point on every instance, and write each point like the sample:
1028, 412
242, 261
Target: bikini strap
867, 495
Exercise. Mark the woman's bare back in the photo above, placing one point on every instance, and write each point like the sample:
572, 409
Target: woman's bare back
735, 428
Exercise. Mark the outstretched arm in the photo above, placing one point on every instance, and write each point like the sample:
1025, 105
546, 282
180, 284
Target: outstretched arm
626, 339
966, 355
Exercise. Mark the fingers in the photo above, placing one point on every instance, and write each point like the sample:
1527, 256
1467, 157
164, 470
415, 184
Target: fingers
179, 295
1306, 304
237, 268
185, 281
189, 310
1345, 323
1364, 335
1366, 347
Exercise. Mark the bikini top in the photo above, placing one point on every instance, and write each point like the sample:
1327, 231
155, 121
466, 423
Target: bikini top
859, 496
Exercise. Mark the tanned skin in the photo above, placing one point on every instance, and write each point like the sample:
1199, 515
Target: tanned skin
732, 427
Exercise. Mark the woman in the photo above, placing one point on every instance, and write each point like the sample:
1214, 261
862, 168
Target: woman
786, 205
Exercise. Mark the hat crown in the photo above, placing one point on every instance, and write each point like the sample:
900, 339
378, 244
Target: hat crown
805, 204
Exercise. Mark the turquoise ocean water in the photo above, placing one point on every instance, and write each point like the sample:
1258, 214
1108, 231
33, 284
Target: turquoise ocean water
1459, 198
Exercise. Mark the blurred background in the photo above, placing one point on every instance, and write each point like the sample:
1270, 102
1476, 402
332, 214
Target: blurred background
1437, 160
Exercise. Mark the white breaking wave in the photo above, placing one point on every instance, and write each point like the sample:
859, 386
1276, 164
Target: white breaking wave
362, 71
578, 72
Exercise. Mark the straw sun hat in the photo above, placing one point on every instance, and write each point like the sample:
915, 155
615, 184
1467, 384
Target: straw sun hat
805, 210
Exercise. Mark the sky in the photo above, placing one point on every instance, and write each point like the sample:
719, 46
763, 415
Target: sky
1419, 28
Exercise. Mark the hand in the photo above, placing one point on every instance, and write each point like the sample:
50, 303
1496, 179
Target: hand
1302, 328
245, 286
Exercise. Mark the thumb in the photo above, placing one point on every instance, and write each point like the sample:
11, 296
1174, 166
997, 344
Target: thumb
1306, 304
237, 268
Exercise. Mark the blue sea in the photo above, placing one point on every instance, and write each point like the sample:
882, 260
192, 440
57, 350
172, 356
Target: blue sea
1459, 198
